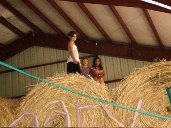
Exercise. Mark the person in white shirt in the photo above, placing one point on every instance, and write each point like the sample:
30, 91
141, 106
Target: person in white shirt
73, 62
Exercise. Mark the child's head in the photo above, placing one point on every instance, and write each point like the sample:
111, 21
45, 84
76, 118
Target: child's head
97, 63
85, 62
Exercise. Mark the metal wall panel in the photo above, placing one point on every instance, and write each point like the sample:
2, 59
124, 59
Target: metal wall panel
14, 84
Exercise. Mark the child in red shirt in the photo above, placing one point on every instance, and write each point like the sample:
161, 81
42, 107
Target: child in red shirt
97, 70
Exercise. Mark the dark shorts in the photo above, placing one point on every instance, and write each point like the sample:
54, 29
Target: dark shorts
73, 68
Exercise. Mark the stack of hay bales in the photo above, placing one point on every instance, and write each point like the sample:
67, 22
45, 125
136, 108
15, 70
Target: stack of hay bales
149, 84
36, 102
7, 111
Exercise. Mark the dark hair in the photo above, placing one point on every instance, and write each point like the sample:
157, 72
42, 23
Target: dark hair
71, 33
94, 65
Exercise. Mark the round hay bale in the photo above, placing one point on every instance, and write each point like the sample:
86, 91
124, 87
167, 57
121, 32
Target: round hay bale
7, 111
148, 84
36, 102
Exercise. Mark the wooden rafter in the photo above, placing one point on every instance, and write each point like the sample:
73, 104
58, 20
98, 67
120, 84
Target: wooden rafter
94, 21
10, 26
17, 46
153, 28
106, 49
119, 18
1, 45
112, 81
67, 18
128, 3
42, 16
166, 2
1, 51
20, 16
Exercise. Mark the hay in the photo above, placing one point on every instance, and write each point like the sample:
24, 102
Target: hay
7, 110
149, 84
36, 102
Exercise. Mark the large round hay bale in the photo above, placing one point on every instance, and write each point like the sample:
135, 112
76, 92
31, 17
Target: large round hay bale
149, 84
7, 111
36, 102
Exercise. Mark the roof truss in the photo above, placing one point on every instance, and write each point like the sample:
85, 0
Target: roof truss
119, 18
94, 21
20, 16
153, 28
10, 26
67, 18
91, 47
129, 3
42, 16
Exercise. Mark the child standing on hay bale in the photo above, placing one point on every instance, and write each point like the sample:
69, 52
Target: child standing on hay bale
85, 69
97, 70
73, 62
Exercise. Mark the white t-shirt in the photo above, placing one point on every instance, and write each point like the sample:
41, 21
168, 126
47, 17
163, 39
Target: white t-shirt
76, 55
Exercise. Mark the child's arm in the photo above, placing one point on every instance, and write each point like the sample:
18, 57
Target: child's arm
94, 73
102, 74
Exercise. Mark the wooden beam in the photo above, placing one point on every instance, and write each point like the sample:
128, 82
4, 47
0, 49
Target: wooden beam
10, 26
1, 50
94, 21
42, 16
128, 3
119, 18
112, 81
153, 28
166, 2
20, 16
106, 49
16, 46
91, 47
40, 65
67, 18
1, 45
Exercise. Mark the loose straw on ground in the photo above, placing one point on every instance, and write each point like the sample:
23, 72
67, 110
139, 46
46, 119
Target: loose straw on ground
7, 110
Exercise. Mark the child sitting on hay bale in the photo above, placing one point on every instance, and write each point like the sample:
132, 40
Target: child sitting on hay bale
86, 69
97, 70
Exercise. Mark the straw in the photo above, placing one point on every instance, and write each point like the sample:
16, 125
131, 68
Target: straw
36, 102
149, 84
7, 110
